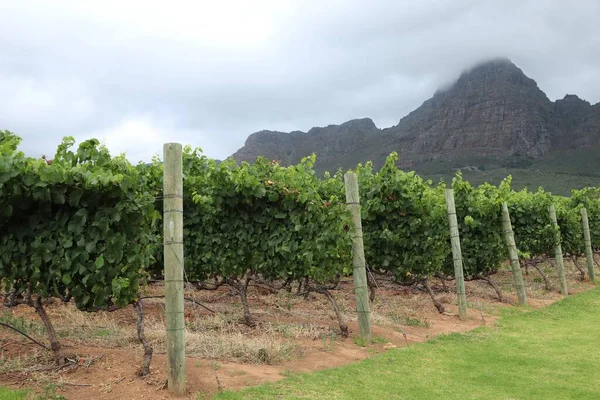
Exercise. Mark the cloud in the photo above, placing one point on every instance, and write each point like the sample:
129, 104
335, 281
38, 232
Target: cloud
133, 137
210, 73
142, 137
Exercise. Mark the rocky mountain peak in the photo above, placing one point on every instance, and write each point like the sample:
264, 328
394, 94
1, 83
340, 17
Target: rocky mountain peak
570, 105
491, 76
328, 142
492, 111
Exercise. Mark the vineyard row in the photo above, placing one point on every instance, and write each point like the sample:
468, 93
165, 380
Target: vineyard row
87, 227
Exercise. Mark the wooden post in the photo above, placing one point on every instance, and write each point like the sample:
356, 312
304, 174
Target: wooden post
509, 236
361, 289
173, 253
558, 255
456, 254
587, 239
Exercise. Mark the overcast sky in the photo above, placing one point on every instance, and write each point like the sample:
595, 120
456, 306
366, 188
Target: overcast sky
137, 74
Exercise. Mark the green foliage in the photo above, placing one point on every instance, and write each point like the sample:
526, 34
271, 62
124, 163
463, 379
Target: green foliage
260, 218
479, 215
404, 221
87, 224
569, 221
590, 199
534, 232
80, 226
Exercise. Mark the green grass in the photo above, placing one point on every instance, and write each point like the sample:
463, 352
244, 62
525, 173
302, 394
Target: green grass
380, 340
49, 393
362, 343
30, 327
7, 394
102, 332
550, 353
405, 320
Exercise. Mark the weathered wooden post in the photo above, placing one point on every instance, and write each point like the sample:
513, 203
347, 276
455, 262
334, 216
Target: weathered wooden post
361, 289
587, 239
456, 254
558, 254
173, 254
509, 236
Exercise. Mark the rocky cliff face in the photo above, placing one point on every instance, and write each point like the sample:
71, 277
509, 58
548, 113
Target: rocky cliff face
493, 111
329, 143
577, 123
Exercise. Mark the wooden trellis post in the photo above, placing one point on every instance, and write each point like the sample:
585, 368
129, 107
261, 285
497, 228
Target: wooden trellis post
358, 258
587, 239
564, 289
509, 236
456, 254
173, 253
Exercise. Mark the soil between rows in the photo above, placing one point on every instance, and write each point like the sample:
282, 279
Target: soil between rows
293, 335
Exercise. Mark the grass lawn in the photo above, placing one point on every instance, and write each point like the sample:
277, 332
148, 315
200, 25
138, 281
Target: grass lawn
7, 394
552, 353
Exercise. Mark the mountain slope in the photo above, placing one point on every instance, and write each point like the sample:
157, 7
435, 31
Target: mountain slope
492, 116
330, 143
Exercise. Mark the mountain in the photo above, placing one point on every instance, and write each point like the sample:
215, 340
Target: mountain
493, 119
330, 143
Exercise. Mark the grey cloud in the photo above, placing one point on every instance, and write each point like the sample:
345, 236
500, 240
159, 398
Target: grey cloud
62, 73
